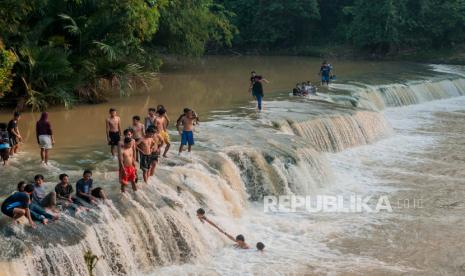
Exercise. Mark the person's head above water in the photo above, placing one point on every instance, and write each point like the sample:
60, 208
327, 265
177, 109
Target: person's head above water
152, 111
260, 246
186, 109
16, 115
200, 213
112, 112
136, 118
240, 238
253, 73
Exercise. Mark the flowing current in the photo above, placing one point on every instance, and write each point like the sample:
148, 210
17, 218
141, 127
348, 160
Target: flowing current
397, 139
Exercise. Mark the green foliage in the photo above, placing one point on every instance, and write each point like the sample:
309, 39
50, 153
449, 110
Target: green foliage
274, 23
188, 26
375, 24
7, 61
68, 46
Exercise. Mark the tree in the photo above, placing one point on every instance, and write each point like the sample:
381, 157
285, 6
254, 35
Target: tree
375, 24
187, 27
7, 61
274, 23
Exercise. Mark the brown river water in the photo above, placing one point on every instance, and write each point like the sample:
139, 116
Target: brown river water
382, 129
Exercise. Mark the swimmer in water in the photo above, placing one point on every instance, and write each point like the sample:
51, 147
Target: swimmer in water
239, 240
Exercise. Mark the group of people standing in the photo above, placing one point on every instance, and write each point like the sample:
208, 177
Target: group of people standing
10, 137
143, 142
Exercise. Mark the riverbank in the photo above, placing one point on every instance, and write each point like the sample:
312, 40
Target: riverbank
452, 56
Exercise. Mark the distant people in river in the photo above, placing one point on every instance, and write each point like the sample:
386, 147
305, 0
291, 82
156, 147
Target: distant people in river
4, 144
44, 136
304, 89
113, 131
187, 134
14, 134
256, 87
325, 73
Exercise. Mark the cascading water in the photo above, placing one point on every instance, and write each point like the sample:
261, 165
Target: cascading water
237, 162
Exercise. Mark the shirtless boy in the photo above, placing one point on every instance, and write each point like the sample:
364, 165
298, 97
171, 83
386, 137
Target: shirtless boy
138, 128
187, 134
161, 123
146, 145
127, 165
113, 131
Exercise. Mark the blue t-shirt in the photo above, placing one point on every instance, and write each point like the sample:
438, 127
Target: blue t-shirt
18, 199
38, 194
84, 186
325, 70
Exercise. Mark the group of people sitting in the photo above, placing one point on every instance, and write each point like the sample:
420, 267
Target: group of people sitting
34, 203
304, 89
143, 142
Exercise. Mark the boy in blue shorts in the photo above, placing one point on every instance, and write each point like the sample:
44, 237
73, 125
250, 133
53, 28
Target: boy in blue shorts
187, 134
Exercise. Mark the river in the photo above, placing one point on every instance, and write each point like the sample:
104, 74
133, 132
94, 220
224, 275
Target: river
387, 130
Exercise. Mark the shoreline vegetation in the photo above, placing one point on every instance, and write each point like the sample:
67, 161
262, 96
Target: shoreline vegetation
67, 52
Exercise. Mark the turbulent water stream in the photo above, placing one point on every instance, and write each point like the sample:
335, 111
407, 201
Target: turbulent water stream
401, 140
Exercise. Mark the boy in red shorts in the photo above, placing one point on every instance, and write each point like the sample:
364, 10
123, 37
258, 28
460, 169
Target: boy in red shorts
127, 165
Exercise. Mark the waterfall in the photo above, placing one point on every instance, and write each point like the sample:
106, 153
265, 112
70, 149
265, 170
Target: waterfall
393, 95
340, 131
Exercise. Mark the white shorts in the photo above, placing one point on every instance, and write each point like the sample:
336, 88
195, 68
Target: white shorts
45, 141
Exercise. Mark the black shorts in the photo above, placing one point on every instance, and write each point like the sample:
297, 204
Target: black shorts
8, 212
13, 141
147, 160
114, 138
